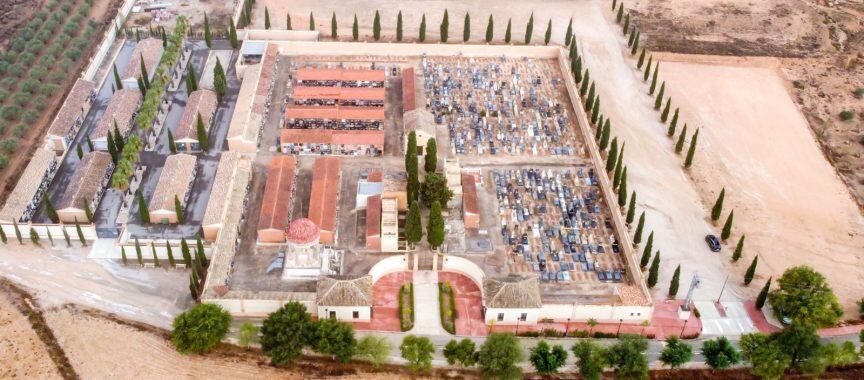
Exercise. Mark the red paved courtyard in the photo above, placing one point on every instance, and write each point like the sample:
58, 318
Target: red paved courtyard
385, 303
469, 304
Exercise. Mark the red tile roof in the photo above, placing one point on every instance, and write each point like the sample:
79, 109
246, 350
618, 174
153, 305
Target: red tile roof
409, 99
72, 108
201, 102
339, 93
331, 136
335, 113
302, 231
325, 192
469, 194
277, 193
341, 74
373, 216
375, 176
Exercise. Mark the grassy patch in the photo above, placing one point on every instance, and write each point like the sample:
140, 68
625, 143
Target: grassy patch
447, 304
406, 307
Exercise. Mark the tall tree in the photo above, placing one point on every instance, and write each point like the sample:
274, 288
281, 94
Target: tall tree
118, 138
490, 29
266, 18
376, 26
184, 250
763, 294
637, 236
399, 27
334, 338
648, 67
220, 83
673, 285
739, 248
720, 353
659, 100
202, 133
78, 230
529, 29
79, 151
334, 34
508, 32
691, 152
620, 14
311, 21
208, 39
435, 229
631, 208
138, 253
49, 209
143, 212
466, 28
286, 332
172, 145
118, 84
676, 353
170, 254
232, 34
727, 227
665, 114
288, 21
422, 33
200, 329
627, 357
18, 231
413, 224
199, 250
804, 296
355, 29
751, 271
586, 81
654, 271
626, 25
178, 209
679, 145
717, 209
622, 189
613, 155
444, 29
430, 162
411, 167
548, 36
547, 359
417, 351
155, 257
653, 76
674, 123
641, 60
568, 36
145, 77
577, 70
499, 355
590, 358
635, 46
646, 252
191, 80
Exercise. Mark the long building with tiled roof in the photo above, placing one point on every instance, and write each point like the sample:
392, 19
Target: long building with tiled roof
174, 184
32, 184
85, 188
324, 197
71, 115
121, 108
278, 198
201, 102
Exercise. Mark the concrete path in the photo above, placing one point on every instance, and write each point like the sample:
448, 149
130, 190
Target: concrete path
427, 314
733, 321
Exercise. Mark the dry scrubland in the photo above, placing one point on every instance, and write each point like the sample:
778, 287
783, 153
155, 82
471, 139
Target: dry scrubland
22, 353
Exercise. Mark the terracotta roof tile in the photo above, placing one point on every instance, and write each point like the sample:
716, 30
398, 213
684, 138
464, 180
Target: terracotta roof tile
278, 193
72, 107
338, 93
203, 102
325, 192
175, 179
335, 113
341, 74
409, 98
85, 181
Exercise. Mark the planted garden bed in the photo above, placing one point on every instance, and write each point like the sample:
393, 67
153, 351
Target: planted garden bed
447, 304
406, 307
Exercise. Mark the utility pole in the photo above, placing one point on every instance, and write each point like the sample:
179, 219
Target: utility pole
694, 283
723, 288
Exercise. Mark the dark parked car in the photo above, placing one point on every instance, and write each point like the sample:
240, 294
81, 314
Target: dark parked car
713, 243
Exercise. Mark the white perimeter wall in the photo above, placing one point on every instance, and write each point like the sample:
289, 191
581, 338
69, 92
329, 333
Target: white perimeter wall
240, 307
346, 313
601, 313
56, 230
392, 264
511, 316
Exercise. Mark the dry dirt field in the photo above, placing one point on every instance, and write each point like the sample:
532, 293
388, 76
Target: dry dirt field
22, 353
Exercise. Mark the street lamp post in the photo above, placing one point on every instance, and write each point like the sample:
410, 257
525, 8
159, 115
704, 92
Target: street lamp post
567, 327
682, 329
620, 321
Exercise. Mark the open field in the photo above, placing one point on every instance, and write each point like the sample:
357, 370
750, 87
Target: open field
753, 141
21, 351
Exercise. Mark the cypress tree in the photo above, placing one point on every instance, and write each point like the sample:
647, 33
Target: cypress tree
184, 249
3, 236
671, 130
193, 290
145, 76
399, 27
80, 233
137, 35
548, 35
171, 144
673, 285
631, 208
569, 34
79, 151
612, 158
112, 150
620, 13
422, 34
595, 111
138, 253
614, 2
679, 146
653, 272
34, 237
266, 18
572, 54
646, 252
763, 294
199, 250
202, 133
585, 79
635, 47
599, 128
17, 232
654, 78
355, 29
466, 28
220, 83
489, 30
444, 29
123, 255
170, 255
141, 86
751, 271
311, 21
288, 21
659, 101
529, 29
739, 249
197, 269
49, 209
431, 157
604, 138
632, 36
692, 150
589, 100
333, 27
232, 34
143, 212
637, 236
208, 39
413, 224
155, 258
508, 32
118, 84
626, 23
178, 209
727, 227
191, 80
66, 237
665, 114
87, 211
616, 178
118, 138
376, 26
622, 189
718, 205
435, 229
641, 60
648, 68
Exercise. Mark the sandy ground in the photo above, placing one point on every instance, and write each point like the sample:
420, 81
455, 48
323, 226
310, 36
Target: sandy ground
22, 353
64, 275
788, 200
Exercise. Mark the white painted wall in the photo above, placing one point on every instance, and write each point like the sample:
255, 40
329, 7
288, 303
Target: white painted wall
389, 265
88, 230
601, 313
346, 313
511, 316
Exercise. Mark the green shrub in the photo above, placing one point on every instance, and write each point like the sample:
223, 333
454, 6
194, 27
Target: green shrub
9, 145
846, 115
31, 116
406, 307
200, 329
10, 112
859, 93
447, 307
551, 333
600, 335
20, 130
4, 161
